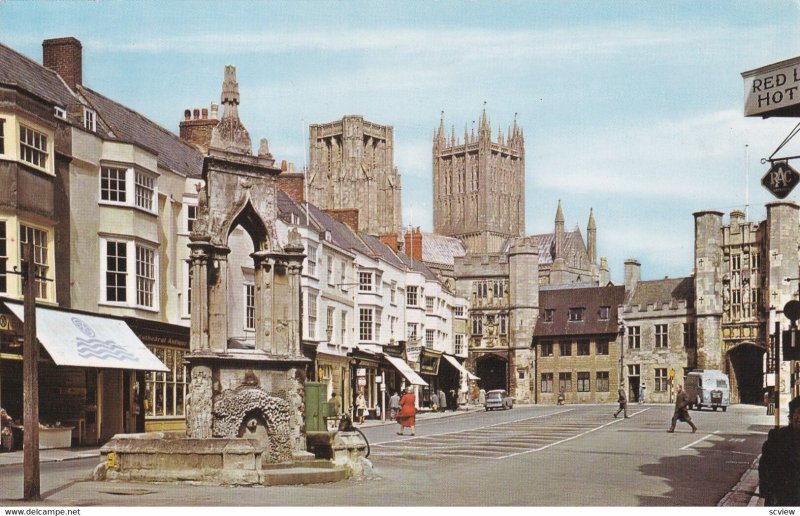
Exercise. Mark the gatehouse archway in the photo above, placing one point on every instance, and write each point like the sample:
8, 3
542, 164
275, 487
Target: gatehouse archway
745, 368
493, 372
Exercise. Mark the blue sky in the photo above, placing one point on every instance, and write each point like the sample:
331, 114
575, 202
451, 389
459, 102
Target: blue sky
634, 109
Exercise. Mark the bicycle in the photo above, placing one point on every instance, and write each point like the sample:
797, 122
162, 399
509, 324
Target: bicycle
346, 425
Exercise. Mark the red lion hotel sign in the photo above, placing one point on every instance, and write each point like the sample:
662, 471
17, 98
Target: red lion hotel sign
773, 90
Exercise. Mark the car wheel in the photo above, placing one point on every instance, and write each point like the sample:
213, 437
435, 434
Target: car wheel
724, 409
715, 409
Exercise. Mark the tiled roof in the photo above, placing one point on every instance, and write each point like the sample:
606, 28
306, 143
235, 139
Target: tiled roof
418, 266
382, 250
26, 74
665, 291
590, 299
441, 249
129, 126
573, 242
341, 234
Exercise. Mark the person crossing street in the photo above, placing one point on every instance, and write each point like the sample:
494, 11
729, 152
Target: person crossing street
681, 410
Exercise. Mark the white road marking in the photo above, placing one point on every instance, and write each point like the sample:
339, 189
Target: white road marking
570, 438
700, 440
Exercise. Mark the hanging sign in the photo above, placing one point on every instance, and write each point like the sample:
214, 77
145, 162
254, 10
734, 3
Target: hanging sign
773, 90
780, 179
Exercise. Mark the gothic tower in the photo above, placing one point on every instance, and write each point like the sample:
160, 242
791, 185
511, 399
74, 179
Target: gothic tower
479, 186
351, 165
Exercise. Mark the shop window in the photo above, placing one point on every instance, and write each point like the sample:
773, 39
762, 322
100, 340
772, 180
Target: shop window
165, 394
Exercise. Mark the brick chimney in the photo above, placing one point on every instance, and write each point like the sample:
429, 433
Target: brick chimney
390, 239
413, 244
196, 127
292, 183
65, 57
348, 216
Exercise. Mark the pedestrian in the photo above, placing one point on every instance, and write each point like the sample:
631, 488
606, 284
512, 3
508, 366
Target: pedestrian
394, 405
482, 397
681, 410
336, 404
361, 407
462, 398
408, 412
561, 396
779, 466
453, 401
641, 393
623, 401
442, 401
434, 402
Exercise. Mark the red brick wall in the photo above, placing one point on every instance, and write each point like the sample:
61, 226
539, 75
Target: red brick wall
65, 57
390, 240
347, 216
293, 185
413, 244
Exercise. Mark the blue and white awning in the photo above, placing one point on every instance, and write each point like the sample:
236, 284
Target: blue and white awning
75, 339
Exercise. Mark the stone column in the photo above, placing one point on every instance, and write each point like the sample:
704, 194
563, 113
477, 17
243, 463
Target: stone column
294, 336
218, 299
264, 304
198, 339
199, 404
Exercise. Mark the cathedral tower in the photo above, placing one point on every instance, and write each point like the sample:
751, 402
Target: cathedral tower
351, 165
479, 186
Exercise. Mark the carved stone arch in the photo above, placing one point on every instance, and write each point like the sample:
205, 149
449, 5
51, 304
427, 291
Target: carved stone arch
248, 218
233, 407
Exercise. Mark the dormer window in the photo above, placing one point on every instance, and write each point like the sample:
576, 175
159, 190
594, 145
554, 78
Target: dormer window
89, 119
60, 113
576, 314
549, 313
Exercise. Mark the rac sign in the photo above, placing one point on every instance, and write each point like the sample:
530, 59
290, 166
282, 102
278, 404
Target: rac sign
780, 179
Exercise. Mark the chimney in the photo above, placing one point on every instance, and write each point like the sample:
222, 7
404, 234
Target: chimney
65, 57
633, 273
413, 244
347, 216
196, 127
390, 239
292, 184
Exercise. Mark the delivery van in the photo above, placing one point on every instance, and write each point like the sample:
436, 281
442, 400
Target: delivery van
708, 388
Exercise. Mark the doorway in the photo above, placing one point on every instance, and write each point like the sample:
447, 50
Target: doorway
493, 372
745, 371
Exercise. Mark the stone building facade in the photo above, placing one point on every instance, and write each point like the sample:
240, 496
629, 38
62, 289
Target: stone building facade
479, 186
745, 272
660, 335
351, 165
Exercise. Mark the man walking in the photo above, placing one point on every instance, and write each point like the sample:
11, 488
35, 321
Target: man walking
394, 405
681, 410
623, 401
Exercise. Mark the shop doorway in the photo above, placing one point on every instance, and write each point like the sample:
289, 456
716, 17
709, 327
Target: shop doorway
745, 363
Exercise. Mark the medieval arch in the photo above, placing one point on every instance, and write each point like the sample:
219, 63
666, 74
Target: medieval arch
744, 364
492, 369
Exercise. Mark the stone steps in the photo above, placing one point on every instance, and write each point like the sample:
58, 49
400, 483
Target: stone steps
302, 475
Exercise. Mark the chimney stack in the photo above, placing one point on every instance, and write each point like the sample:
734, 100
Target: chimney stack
413, 244
196, 127
65, 57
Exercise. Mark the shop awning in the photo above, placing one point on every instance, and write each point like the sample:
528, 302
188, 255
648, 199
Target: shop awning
405, 370
460, 367
75, 339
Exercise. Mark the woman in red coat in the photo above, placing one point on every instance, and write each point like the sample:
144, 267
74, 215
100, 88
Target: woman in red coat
408, 411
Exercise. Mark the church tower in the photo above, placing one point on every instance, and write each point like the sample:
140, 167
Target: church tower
479, 185
351, 165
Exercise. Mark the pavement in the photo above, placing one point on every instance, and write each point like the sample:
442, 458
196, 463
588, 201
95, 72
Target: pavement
743, 494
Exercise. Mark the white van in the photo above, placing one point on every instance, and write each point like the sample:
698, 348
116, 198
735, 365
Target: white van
708, 388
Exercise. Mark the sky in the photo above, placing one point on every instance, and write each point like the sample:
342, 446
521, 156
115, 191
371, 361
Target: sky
632, 109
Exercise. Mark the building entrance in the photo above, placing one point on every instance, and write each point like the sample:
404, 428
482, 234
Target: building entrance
493, 373
744, 366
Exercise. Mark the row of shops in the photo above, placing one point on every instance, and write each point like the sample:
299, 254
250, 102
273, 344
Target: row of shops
380, 371
100, 375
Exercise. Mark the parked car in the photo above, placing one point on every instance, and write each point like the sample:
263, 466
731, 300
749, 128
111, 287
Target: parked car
499, 399
708, 388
